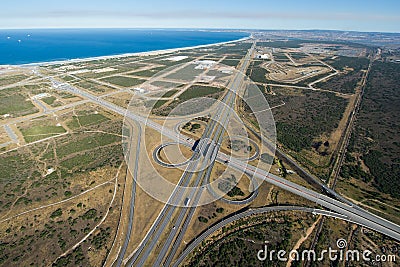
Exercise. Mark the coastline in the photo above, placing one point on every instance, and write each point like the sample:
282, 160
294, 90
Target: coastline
147, 53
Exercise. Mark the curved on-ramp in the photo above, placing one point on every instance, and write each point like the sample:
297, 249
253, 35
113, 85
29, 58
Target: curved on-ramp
156, 156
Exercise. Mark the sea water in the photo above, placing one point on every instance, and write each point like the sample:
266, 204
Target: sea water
43, 45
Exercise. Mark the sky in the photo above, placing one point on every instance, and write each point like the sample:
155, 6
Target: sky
364, 15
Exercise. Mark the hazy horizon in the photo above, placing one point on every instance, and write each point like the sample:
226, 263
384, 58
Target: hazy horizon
362, 16
193, 28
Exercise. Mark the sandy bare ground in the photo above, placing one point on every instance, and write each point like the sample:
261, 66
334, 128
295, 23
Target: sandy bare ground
303, 238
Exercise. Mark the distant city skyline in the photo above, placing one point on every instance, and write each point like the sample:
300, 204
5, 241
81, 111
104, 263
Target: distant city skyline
367, 15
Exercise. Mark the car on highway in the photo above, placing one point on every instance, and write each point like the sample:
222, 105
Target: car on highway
187, 200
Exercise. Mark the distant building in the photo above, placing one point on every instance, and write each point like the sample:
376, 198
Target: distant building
204, 64
205, 79
226, 70
177, 58
262, 56
40, 96
139, 90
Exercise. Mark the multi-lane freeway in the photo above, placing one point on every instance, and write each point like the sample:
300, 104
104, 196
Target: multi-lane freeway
133, 188
195, 175
348, 211
352, 212
220, 122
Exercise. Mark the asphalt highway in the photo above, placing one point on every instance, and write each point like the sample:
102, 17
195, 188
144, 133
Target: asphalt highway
204, 154
200, 156
385, 227
352, 212
347, 210
220, 122
133, 190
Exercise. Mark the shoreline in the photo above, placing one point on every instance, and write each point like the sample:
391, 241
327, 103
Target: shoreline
124, 55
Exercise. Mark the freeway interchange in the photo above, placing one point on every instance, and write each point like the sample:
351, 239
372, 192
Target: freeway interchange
183, 201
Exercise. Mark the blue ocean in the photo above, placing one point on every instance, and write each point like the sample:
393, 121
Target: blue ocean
43, 45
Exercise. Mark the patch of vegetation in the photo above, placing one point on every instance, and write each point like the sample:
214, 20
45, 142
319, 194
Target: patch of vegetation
194, 91
235, 191
67, 78
7, 80
49, 100
14, 103
296, 43
170, 93
86, 120
91, 160
123, 81
238, 49
199, 91
298, 55
90, 214
56, 213
238, 243
66, 95
159, 103
377, 131
355, 170
39, 132
314, 78
196, 126
100, 239
24, 200
282, 44
82, 142
147, 73
75, 258
343, 83
228, 186
356, 63
185, 74
167, 63
91, 86
306, 115
230, 62
202, 219
281, 57
15, 169
258, 74
346, 81
78, 161
92, 119
165, 85
191, 127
